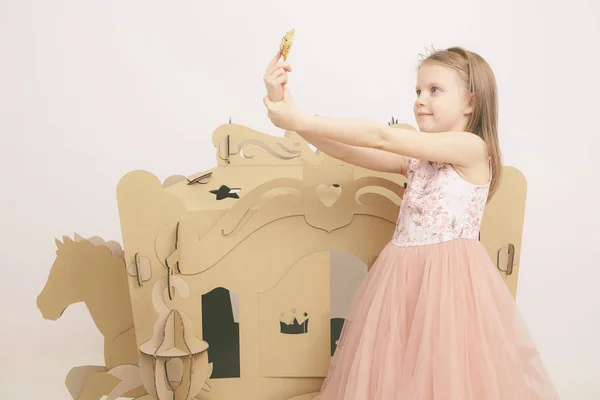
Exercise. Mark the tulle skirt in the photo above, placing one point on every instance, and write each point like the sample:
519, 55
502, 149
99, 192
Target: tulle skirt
435, 322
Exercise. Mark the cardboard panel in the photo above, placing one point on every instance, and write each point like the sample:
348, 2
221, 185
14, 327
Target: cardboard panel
129, 376
502, 226
293, 317
78, 376
246, 217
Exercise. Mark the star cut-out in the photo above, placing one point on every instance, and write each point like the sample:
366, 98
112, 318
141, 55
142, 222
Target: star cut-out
226, 192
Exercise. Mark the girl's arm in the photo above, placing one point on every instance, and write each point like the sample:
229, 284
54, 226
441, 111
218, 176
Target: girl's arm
459, 148
372, 159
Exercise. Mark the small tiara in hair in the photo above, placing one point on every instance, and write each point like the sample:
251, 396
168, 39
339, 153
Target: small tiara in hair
428, 52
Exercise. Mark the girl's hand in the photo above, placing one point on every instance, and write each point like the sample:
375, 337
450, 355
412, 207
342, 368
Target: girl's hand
276, 77
284, 114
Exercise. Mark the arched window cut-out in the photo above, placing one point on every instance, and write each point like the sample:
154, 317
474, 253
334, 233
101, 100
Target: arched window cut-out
347, 273
221, 329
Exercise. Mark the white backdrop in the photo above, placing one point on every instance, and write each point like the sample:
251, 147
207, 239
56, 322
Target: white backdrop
90, 90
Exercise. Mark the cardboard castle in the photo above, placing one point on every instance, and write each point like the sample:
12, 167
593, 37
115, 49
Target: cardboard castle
234, 283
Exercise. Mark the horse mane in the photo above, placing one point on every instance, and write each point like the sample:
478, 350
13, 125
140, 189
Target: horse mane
115, 247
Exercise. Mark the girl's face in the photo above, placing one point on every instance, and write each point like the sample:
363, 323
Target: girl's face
442, 103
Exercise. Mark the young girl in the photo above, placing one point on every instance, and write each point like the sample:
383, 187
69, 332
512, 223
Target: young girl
433, 319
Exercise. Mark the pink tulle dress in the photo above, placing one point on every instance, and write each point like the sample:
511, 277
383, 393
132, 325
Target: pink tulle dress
433, 319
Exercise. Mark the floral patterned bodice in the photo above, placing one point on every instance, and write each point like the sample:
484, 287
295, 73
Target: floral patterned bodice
438, 205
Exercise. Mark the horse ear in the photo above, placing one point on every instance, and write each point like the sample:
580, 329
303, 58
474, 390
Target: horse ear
58, 243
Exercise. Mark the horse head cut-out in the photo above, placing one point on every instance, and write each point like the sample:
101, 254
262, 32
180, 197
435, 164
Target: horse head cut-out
83, 271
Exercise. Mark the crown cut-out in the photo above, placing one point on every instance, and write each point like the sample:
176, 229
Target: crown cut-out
294, 328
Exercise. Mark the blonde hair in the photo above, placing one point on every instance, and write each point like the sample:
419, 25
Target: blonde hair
480, 82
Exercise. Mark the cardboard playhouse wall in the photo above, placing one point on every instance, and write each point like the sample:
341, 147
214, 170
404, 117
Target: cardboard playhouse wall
234, 283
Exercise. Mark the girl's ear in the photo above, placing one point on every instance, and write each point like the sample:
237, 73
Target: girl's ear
470, 106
